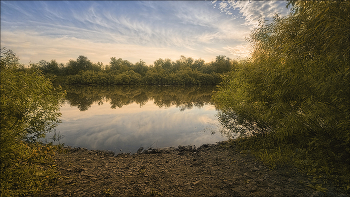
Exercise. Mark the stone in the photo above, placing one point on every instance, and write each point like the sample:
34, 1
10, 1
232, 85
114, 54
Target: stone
165, 172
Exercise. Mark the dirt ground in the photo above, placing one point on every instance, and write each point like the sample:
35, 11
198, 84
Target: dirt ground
210, 170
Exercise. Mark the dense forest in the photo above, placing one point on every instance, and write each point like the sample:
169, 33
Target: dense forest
184, 71
293, 96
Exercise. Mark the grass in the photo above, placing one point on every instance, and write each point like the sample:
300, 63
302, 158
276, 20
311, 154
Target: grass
31, 171
322, 170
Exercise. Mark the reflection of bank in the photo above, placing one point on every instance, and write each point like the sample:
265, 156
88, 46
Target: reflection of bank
129, 127
233, 128
214, 127
164, 96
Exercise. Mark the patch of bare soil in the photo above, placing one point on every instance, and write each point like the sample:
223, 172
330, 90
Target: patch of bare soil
210, 170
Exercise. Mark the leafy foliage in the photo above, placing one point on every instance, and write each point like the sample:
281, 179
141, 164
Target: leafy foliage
295, 89
29, 106
184, 71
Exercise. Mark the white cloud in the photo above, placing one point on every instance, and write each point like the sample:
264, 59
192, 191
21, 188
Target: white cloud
213, 50
130, 127
239, 51
32, 47
253, 11
100, 30
208, 37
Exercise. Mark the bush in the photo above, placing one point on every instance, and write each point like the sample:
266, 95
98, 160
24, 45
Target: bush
29, 106
295, 89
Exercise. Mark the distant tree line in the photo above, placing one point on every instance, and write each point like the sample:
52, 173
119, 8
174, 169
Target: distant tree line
184, 71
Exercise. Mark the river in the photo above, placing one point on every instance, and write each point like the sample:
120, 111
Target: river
124, 118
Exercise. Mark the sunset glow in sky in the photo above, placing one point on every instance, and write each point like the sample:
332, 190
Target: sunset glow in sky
131, 30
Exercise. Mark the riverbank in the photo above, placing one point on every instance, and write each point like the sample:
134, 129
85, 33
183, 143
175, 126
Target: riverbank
210, 170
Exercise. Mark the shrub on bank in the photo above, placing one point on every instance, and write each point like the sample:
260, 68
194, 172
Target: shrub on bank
293, 94
28, 110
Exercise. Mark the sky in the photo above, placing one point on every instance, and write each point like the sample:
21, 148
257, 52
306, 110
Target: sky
132, 30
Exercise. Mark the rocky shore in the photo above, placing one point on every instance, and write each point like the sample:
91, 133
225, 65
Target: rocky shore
210, 170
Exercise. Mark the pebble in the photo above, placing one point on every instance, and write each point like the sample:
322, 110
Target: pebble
165, 172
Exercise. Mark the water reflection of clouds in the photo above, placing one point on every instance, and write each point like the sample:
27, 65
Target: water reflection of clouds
130, 127
209, 107
72, 112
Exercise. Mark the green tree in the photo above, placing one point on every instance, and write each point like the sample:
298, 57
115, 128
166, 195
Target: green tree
198, 64
29, 109
119, 64
182, 63
141, 68
155, 76
165, 64
296, 85
81, 64
222, 64
52, 67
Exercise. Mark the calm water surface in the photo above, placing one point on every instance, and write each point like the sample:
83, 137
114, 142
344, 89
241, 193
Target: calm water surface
123, 118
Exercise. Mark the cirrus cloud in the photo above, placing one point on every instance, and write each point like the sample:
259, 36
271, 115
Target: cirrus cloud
131, 30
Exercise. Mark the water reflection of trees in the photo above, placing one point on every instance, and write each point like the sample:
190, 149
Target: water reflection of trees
118, 96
